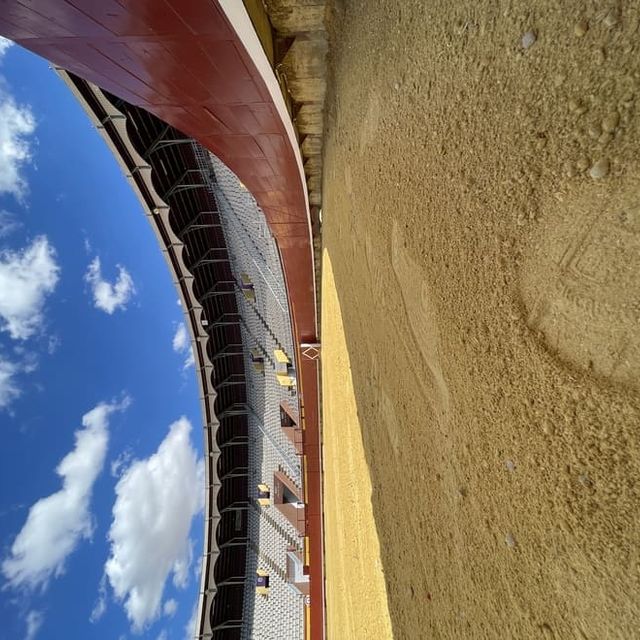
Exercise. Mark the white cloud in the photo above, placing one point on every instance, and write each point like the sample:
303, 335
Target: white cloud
182, 566
120, 463
9, 390
190, 627
101, 603
156, 500
26, 278
57, 523
29, 362
180, 339
106, 295
182, 344
189, 361
4, 45
170, 607
163, 635
34, 622
22, 361
17, 124
53, 345
8, 223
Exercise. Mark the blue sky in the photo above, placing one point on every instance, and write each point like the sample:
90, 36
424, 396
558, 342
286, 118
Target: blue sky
100, 465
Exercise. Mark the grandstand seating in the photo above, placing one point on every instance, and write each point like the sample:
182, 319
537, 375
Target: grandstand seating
227, 269
265, 326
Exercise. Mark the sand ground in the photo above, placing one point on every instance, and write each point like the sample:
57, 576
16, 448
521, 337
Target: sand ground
482, 219
356, 597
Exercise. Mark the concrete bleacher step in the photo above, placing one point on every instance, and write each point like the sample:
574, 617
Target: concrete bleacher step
266, 324
293, 541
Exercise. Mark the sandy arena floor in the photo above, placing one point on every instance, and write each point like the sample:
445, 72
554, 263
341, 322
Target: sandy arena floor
356, 599
482, 221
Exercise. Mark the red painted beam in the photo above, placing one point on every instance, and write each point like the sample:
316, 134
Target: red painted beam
182, 61
309, 372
